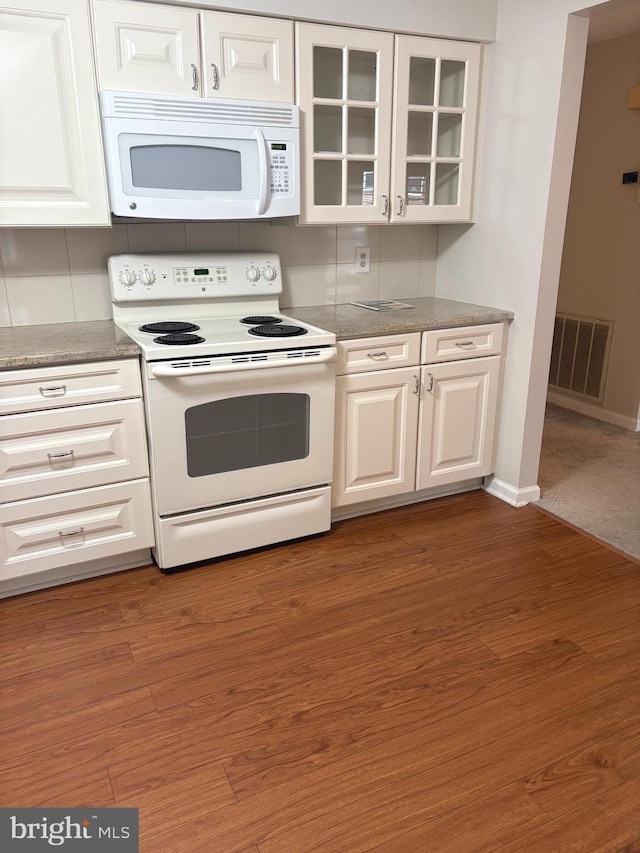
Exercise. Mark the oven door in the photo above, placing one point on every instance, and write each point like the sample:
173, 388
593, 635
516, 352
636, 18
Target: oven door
223, 431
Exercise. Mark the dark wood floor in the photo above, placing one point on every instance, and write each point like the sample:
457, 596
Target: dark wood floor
454, 676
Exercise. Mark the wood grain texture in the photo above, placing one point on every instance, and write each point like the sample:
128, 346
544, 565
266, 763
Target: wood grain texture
454, 675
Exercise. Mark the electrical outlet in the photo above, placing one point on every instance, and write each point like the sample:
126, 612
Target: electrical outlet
363, 259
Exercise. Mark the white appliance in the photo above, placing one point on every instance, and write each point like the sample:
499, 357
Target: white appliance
174, 158
239, 401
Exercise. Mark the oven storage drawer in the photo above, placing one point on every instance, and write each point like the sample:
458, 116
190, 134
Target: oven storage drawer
68, 385
42, 453
379, 353
239, 527
60, 530
463, 342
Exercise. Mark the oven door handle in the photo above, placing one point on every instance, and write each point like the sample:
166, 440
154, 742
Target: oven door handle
264, 172
164, 371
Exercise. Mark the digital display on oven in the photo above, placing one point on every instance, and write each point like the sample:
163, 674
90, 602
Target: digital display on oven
201, 271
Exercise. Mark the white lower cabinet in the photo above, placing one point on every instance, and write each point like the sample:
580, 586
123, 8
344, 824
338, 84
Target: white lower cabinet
403, 427
74, 473
457, 421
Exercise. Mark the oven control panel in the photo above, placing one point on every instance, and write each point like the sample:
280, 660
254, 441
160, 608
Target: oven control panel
141, 277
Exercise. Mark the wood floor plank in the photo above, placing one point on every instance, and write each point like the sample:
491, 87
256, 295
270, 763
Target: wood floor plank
607, 824
481, 826
454, 675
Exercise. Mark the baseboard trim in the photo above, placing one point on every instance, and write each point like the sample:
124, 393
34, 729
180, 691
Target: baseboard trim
511, 494
592, 411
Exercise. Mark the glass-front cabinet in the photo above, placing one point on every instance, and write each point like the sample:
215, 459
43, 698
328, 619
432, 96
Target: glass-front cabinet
370, 156
344, 89
435, 105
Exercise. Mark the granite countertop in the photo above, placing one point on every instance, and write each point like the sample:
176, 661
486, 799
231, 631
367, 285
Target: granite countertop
97, 340
63, 343
428, 312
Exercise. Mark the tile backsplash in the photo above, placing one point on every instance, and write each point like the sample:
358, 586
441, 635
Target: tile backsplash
57, 275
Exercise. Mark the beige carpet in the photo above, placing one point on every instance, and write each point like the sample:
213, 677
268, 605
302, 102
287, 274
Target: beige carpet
590, 477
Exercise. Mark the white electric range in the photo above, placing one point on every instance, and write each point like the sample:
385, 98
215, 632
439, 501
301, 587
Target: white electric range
239, 402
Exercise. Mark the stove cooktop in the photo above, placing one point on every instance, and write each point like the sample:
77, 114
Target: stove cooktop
205, 304
222, 336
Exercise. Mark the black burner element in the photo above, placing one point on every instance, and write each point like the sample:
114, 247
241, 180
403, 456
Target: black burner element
277, 331
179, 339
168, 326
259, 320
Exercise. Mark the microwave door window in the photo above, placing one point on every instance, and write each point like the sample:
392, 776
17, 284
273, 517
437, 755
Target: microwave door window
186, 167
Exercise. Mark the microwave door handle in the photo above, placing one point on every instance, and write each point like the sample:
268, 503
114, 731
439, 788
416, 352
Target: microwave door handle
264, 171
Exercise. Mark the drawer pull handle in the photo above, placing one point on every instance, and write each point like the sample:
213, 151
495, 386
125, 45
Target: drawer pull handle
53, 390
64, 455
71, 532
381, 355
466, 344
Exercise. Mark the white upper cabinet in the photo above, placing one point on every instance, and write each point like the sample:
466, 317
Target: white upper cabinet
384, 139
434, 126
166, 50
51, 164
147, 48
247, 58
344, 85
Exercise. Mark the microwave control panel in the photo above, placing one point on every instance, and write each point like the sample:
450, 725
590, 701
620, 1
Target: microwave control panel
280, 168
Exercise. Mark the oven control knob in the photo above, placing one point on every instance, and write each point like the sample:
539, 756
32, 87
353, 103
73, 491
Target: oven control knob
147, 277
128, 278
253, 274
269, 273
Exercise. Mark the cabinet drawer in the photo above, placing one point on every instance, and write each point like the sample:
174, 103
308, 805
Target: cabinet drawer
42, 453
67, 385
60, 530
465, 342
362, 354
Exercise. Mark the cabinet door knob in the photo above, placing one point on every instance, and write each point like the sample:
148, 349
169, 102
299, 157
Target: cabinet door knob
385, 205
430, 385
416, 388
194, 77
216, 76
400, 205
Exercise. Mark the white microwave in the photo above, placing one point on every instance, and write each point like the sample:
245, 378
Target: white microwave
178, 158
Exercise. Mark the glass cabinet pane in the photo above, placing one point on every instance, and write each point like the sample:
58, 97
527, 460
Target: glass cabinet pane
361, 138
327, 72
327, 128
360, 182
418, 180
447, 179
419, 133
422, 76
449, 135
452, 74
327, 182
363, 70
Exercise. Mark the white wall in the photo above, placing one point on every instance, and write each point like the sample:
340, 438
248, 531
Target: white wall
474, 20
601, 261
511, 256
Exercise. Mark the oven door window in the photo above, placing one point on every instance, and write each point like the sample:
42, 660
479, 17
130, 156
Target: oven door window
246, 432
